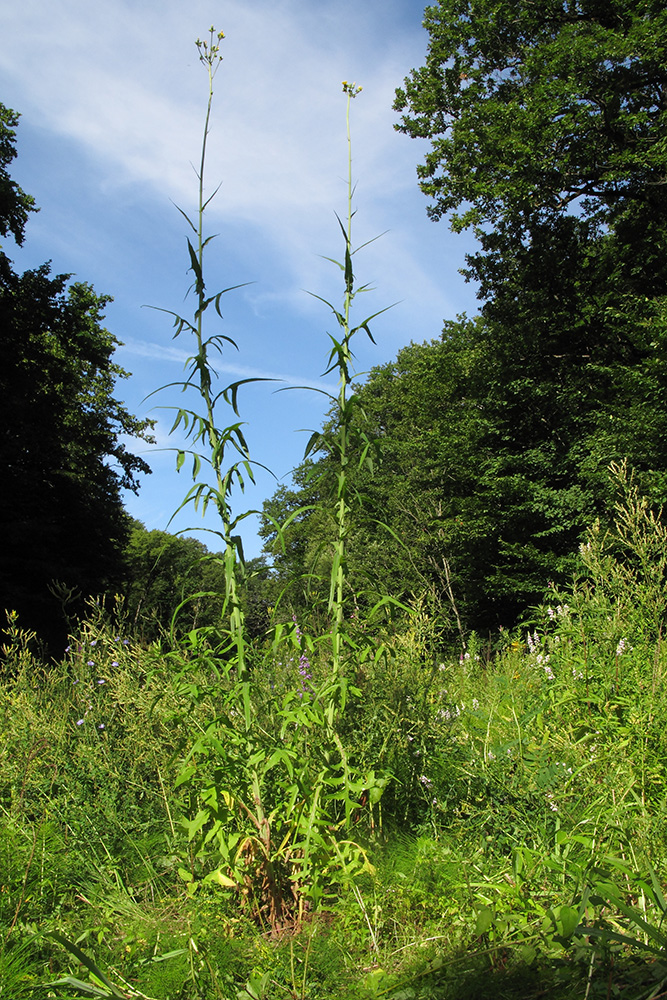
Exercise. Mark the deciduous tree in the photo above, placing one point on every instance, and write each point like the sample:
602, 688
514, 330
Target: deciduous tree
65, 465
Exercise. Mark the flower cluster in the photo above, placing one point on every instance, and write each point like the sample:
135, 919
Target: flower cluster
351, 89
535, 648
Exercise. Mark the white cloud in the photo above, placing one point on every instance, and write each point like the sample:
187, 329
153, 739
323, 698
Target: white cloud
118, 88
160, 352
124, 80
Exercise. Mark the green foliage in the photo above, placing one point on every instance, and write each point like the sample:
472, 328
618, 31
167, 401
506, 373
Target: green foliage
533, 109
340, 811
15, 204
167, 574
62, 521
263, 803
519, 847
547, 137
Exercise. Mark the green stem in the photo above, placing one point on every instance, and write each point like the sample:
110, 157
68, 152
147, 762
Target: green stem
338, 582
209, 56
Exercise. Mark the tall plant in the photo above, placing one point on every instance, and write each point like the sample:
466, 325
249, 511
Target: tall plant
211, 443
267, 787
345, 438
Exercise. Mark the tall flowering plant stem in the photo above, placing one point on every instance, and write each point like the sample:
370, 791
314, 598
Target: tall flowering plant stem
211, 443
346, 438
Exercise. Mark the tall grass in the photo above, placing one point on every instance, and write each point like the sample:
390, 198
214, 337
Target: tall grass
309, 816
519, 846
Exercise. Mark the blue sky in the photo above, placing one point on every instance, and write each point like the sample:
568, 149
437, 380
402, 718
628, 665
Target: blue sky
112, 98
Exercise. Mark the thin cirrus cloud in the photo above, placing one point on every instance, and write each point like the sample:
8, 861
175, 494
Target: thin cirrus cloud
115, 91
160, 352
124, 81
100, 74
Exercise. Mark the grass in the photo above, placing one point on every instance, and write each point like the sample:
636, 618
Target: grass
351, 814
518, 846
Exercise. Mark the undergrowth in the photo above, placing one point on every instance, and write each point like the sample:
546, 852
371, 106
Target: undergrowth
340, 808
519, 842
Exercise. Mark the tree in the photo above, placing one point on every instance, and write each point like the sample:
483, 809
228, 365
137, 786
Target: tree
14, 203
548, 129
175, 582
532, 108
496, 440
62, 521
163, 571
411, 519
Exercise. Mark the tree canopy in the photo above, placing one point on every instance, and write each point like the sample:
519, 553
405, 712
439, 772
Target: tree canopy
15, 204
548, 131
532, 108
65, 464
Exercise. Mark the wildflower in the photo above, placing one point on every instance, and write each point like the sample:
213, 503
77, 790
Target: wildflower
67, 649
93, 642
533, 642
101, 681
475, 704
426, 782
114, 663
79, 722
126, 642
622, 647
101, 726
304, 667
91, 663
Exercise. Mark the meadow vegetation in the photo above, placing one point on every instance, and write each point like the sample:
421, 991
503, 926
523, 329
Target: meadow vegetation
324, 780
486, 824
